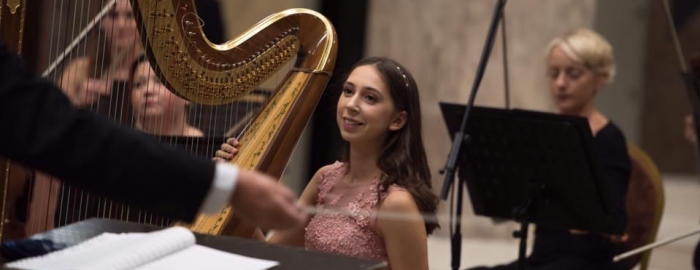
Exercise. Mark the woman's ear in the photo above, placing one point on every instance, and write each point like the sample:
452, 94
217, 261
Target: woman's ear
399, 121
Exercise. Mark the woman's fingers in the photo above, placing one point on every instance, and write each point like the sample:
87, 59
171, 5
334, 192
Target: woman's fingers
227, 151
223, 155
233, 142
229, 148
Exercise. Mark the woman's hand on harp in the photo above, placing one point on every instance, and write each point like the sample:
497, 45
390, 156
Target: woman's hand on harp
92, 89
228, 150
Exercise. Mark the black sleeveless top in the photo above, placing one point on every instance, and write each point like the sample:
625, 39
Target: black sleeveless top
553, 244
116, 106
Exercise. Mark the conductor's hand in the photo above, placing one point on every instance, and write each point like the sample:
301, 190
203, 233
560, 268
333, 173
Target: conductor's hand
260, 200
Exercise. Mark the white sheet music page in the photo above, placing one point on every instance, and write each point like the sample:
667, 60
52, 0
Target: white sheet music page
172, 248
201, 257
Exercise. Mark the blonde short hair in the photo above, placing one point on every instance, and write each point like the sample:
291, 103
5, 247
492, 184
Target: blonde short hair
588, 48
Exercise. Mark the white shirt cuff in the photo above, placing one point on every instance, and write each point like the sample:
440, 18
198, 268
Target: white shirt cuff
225, 177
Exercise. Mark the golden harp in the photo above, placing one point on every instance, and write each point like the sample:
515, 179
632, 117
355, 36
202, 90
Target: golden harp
208, 76
202, 72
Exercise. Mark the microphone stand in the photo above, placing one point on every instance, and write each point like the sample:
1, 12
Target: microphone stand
460, 137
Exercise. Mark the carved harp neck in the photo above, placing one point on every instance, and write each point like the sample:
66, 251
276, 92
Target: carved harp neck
206, 73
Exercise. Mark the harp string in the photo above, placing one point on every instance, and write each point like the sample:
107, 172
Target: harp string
76, 204
141, 122
83, 10
43, 221
71, 78
60, 37
83, 198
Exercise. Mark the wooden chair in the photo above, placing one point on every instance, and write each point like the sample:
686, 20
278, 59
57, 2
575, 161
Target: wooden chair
645, 205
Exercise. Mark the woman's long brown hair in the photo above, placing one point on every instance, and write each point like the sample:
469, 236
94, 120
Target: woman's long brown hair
403, 160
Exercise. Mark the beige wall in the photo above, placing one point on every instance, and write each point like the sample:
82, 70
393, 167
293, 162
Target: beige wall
624, 24
239, 15
441, 41
665, 98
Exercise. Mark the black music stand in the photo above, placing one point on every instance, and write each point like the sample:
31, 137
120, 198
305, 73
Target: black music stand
533, 168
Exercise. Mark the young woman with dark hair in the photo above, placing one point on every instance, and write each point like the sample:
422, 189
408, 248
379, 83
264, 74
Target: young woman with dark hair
383, 172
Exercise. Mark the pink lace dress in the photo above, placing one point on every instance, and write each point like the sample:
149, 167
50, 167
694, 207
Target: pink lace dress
354, 235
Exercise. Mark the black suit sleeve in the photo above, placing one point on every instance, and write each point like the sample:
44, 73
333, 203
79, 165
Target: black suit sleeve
40, 128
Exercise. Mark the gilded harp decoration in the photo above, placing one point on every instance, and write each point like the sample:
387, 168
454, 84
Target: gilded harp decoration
13, 5
205, 73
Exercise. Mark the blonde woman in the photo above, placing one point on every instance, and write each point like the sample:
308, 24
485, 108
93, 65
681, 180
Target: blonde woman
579, 65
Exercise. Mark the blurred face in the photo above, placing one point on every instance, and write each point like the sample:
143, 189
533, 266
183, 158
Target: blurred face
366, 111
572, 84
151, 98
119, 25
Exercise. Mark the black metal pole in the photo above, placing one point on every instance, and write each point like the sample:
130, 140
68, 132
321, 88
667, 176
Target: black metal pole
523, 244
460, 137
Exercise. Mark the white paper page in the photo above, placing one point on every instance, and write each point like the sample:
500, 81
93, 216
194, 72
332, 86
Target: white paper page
204, 258
110, 251
69, 258
154, 246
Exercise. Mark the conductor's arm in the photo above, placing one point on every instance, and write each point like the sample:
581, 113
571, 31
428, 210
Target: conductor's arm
40, 128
